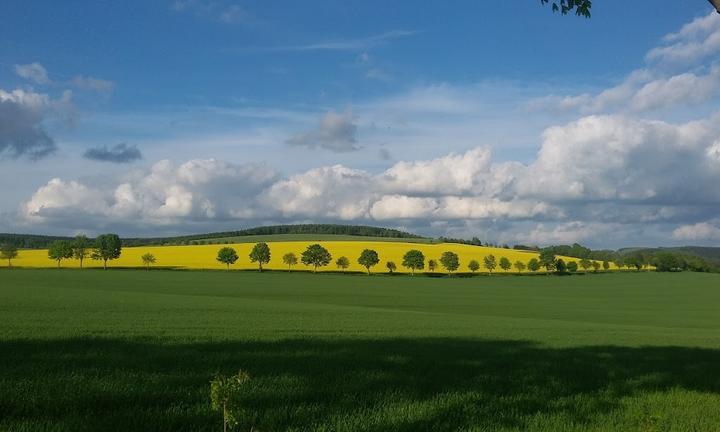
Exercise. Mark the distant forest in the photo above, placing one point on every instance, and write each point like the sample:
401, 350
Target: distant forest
31, 241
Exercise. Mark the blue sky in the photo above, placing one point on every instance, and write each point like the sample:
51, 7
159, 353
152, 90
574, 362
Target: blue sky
290, 106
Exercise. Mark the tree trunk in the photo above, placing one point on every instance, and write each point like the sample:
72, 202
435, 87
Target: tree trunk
225, 422
260, 267
104, 264
228, 266
58, 263
81, 260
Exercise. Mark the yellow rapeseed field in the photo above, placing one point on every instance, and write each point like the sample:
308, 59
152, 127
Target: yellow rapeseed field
204, 256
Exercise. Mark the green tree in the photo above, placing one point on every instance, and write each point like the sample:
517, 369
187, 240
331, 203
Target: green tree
148, 259
227, 256
474, 266
520, 266
391, 266
224, 392
585, 264
547, 259
533, 265
450, 261
572, 266
596, 266
107, 247
368, 258
432, 265
60, 250
316, 256
260, 254
342, 263
668, 262
560, 266
290, 259
635, 260
505, 264
414, 260
580, 7
490, 263
8, 252
81, 248
606, 265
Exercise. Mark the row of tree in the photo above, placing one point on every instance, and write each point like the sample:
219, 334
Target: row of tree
104, 248
318, 256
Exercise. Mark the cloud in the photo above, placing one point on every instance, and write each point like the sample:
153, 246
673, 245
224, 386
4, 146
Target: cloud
356, 44
119, 153
658, 85
22, 114
336, 132
695, 41
613, 176
702, 231
34, 72
93, 84
207, 189
220, 10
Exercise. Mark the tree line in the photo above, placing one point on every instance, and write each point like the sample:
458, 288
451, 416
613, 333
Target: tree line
317, 256
103, 248
108, 247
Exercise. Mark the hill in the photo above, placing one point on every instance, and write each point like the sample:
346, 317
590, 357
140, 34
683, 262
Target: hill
710, 254
32, 241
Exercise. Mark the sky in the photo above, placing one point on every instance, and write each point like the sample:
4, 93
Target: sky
499, 120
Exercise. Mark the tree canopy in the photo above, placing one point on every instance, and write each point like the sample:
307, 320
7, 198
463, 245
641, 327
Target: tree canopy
580, 7
107, 247
8, 252
227, 256
60, 250
368, 258
450, 261
414, 260
260, 254
290, 259
316, 256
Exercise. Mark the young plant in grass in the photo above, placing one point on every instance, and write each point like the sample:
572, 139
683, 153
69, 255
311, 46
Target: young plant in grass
224, 395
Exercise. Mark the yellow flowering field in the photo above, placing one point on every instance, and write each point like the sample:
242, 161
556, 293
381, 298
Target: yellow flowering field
203, 256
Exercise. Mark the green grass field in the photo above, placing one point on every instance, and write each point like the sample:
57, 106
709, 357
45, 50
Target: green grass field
312, 237
135, 350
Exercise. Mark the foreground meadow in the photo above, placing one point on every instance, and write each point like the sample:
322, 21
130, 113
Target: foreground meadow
135, 350
204, 256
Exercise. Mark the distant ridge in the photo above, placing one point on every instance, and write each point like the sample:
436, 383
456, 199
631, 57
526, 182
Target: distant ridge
32, 241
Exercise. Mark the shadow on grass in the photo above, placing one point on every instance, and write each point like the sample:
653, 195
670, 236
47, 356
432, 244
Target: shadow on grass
407, 384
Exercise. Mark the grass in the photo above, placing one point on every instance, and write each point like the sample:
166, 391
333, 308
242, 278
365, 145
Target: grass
135, 350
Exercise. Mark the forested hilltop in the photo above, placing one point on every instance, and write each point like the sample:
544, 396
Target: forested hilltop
32, 241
